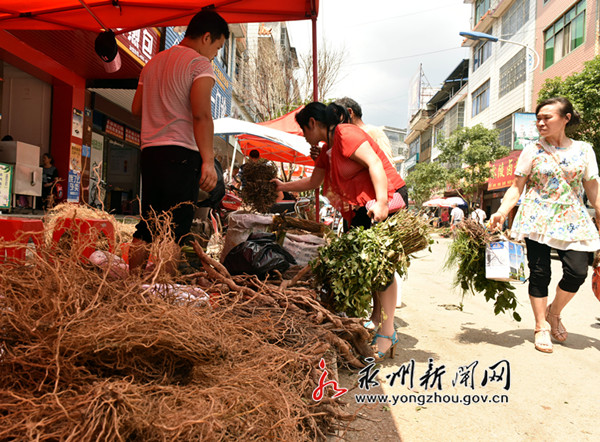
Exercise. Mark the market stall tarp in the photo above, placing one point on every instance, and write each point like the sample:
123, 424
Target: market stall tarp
128, 15
286, 123
273, 144
445, 202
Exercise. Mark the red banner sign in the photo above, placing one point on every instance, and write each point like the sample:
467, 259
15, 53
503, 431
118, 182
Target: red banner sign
503, 171
132, 136
115, 129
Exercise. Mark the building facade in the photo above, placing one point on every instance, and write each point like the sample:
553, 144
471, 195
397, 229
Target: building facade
567, 37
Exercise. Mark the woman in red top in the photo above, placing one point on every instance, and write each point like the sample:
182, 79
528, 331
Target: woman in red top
353, 171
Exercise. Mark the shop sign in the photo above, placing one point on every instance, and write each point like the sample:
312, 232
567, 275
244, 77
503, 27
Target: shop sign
524, 130
141, 44
73, 187
114, 129
6, 175
503, 171
132, 136
220, 98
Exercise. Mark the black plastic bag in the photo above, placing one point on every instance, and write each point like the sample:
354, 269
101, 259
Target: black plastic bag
258, 255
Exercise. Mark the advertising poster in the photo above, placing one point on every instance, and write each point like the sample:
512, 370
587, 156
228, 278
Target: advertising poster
77, 130
6, 174
524, 130
73, 187
96, 168
75, 158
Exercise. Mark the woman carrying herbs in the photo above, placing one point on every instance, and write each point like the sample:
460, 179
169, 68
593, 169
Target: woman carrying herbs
359, 181
557, 170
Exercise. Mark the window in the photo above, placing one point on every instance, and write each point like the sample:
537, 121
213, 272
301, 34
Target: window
481, 98
505, 128
481, 53
438, 133
514, 19
481, 7
566, 34
415, 147
512, 73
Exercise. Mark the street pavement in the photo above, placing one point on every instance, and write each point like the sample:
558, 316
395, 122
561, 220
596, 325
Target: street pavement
467, 354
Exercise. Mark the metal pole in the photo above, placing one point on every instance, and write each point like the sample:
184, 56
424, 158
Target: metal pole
313, 18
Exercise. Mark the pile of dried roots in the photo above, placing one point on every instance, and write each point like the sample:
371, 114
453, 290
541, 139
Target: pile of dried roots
258, 191
87, 358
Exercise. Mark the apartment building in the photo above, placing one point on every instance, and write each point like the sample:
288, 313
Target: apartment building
441, 115
567, 37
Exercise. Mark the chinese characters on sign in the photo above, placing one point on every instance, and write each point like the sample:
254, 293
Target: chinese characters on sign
503, 171
141, 44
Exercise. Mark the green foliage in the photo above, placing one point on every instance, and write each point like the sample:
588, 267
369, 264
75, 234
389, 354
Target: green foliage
468, 253
357, 264
583, 90
468, 153
424, 180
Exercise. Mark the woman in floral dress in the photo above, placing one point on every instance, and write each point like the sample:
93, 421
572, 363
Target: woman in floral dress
557, 170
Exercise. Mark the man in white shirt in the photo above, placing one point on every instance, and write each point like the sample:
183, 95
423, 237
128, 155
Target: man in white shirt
457, 215
478, 214
173, 101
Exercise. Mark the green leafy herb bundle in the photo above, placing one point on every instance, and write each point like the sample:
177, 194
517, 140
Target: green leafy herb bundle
468, 253
351, 267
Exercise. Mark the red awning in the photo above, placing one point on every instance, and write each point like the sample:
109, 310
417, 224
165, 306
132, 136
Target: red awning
128, 15
286, 123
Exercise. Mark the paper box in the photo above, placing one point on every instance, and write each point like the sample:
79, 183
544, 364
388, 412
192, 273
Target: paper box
505, 261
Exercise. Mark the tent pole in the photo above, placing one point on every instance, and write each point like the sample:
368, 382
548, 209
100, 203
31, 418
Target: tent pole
313, 18
235, 143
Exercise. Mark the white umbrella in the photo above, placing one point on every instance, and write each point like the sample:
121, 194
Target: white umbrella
449, 202
435, 202
273, 144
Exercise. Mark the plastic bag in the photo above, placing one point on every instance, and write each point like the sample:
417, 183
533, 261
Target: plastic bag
258, 255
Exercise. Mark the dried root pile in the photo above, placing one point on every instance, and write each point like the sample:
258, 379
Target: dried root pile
258, 191
86, 358
467, 252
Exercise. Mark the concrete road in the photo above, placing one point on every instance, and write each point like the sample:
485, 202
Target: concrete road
550, 396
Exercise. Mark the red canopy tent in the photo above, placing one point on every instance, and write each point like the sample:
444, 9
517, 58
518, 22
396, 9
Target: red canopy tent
128, 15
286, 123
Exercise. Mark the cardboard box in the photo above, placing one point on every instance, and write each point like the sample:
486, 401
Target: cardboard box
505, 261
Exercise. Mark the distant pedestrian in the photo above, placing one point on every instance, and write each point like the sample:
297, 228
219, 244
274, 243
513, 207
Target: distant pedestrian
478, 214
456, 215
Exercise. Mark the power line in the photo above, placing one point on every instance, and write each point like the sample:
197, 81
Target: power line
404, 56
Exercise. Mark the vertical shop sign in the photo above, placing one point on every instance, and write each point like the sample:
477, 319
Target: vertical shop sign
6, 174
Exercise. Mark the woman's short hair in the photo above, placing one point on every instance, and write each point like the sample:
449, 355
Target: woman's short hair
566, 107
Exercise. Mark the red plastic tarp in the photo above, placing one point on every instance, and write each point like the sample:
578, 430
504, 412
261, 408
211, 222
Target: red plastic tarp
128, 15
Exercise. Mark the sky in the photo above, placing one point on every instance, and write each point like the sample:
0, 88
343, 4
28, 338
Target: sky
385, 41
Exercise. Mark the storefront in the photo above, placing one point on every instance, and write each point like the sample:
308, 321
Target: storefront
503, 175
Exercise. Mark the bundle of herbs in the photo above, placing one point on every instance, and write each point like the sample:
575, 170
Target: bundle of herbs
357, 264
468, 253
258, 191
